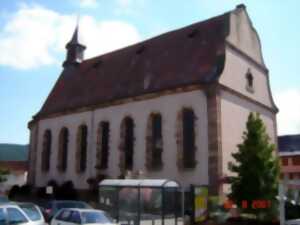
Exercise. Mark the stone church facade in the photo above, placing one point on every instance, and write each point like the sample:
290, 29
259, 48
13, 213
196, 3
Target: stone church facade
174, 106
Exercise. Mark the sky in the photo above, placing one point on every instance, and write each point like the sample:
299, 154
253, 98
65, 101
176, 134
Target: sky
33, 34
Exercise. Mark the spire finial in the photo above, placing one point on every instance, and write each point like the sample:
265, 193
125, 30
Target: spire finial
77, 19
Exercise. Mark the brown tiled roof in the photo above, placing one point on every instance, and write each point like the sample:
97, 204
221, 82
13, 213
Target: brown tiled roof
14, 165
191, 55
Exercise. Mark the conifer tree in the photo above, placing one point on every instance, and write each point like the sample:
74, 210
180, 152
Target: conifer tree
255, 171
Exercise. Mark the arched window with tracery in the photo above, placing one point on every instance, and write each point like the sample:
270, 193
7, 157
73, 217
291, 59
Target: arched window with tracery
103, 145
81, 152
127, 144
154, 142
186, 139
46, 152
63, 142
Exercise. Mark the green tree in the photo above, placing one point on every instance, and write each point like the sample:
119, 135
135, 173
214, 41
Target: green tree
3, 174
255, 171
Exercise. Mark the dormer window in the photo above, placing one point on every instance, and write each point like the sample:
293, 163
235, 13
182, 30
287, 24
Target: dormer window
249, 80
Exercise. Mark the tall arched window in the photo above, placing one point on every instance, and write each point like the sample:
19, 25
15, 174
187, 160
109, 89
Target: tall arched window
187, 148
62, 161
103, 145
46, 153
127, 144
154, 145
81, 154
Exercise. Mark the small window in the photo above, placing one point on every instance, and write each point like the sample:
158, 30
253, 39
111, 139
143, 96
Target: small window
296, 160
64, 215
2, 217
95, 218
15, 216
75, 217
250, 81
140, 49
284, 161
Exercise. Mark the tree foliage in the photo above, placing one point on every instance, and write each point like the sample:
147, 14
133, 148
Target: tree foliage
255, 170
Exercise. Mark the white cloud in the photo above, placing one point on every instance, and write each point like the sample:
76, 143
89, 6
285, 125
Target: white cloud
288, 119
88, 3
34, 36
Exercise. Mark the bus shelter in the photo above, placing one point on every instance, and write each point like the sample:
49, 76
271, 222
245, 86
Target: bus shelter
142, 201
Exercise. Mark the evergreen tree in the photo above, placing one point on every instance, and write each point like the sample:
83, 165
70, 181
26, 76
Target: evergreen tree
256, 171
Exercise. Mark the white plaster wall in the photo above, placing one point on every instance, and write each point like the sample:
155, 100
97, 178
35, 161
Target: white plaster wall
168, 106
14, 178
234, 115
234, 77
72, 122
243, 35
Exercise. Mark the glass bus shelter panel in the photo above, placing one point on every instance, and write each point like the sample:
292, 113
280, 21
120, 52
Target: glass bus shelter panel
128, 205
150, 206
108, 201
171, 206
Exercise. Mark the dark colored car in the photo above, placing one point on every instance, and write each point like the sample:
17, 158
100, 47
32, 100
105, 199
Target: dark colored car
52, 207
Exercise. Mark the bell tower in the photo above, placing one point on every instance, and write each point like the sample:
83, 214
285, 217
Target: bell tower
75, 51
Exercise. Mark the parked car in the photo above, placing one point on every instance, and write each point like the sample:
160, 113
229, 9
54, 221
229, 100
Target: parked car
20, 213
81, 216
52, 207
32, 211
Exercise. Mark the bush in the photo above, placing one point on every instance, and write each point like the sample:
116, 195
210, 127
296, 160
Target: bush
25, 190
67, 191
14, 192
41, 193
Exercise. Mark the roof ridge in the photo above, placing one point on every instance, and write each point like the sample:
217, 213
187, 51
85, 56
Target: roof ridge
159, 36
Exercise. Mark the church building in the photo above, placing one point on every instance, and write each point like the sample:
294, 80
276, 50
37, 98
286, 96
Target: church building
174, 106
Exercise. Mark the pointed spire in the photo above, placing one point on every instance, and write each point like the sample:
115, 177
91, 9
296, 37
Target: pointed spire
74, 39
75, 50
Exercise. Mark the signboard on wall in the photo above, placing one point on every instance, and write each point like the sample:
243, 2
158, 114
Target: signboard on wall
200, 202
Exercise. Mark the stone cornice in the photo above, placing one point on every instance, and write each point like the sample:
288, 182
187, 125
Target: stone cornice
230, 90
121, 102
248, 58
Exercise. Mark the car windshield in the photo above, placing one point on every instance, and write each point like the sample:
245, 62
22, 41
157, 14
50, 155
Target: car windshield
95, 217
80, 205
31, 211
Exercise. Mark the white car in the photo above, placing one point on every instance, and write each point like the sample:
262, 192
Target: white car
292, 222
81, 216
20, 213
